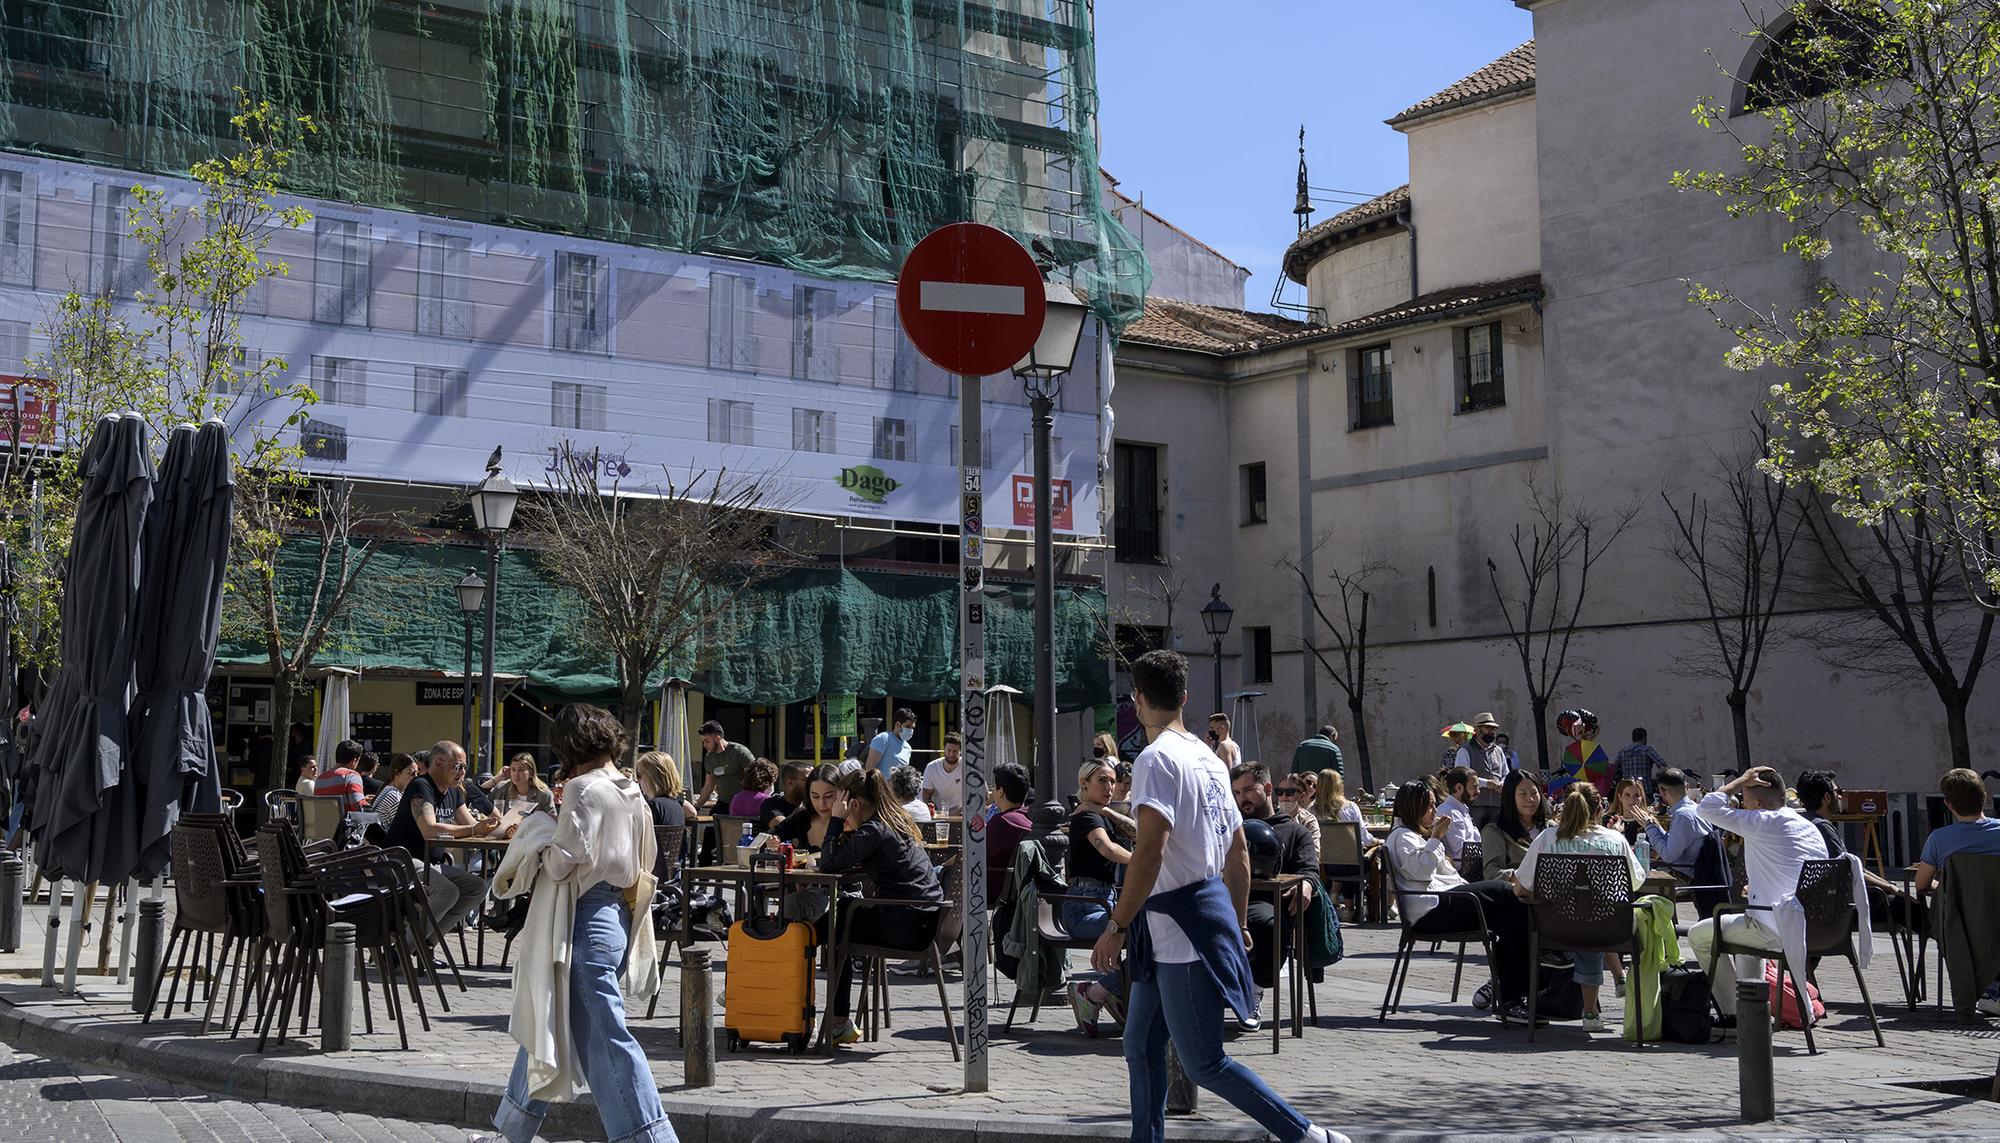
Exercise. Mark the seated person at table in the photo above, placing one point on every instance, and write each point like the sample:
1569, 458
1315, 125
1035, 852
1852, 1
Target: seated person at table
1092, 871
1630, 812
1435, 899
944, 782
1819, 795
1676, 845
1577, 831
396, 776
1522, 813
1297, 853
343, 781
366, 767
879, 839
1777, 842
759, 778
1294, 794
1461, 787
666, 795
908, 785
813, 824
1008, 825
517, 782
793, 778
1970, 831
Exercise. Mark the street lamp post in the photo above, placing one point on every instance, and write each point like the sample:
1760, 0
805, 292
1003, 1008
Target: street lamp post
1215, 616
471, 601
1041, 374
492, 513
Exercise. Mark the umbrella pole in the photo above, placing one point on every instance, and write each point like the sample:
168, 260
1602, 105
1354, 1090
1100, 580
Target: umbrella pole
51, 933
104, 929
126, 917
79, 911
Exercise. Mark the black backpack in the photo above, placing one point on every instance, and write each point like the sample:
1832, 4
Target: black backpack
1686, 1014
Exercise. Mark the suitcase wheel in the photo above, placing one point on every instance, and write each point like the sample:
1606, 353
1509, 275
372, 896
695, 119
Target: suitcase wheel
735, 1041
796, 1041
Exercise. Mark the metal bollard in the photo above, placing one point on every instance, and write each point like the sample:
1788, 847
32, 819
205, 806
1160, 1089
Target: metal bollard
52, 935
336, 988
152, 921
698, 1018
1183, 1097
13, 878
1753, 1051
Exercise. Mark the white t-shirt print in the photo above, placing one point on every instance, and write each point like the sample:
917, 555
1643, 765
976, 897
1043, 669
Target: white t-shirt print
1181, 778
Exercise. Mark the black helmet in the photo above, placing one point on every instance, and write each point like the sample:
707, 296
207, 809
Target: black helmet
1262, 842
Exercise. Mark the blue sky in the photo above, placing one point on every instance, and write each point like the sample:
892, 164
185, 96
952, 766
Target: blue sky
1200, 104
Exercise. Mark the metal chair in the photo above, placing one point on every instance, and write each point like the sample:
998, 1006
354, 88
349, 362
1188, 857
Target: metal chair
671, 841
1049, 931
204, 878
729, 835
320, 817
1582, 903
1825, 892
1343, 860
1406, 946
876, 958
1472, 861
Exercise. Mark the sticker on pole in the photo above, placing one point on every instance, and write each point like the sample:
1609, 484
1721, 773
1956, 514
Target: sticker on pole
970, 299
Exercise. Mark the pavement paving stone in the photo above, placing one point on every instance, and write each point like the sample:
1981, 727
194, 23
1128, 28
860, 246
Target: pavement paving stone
1373, 1079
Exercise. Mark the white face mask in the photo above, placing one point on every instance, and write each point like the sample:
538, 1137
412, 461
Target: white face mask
1287, 807
906, 732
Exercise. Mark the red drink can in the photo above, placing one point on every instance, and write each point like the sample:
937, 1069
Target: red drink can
785, 851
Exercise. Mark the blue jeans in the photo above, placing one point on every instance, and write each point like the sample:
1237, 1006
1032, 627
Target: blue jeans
628, 1100
1587, 969
1085, 920
1182, 1002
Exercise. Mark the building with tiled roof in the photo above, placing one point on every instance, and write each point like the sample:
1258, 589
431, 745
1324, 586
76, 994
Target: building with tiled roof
1383, 211
1509, 77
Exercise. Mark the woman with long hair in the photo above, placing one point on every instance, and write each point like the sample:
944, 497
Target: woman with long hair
1092, 871
1577, 831
666, 794
1104, 746
1523, 812
1294, 794
811, 824
602, 847
877, 837
517, 781
1631, 810
1435, 899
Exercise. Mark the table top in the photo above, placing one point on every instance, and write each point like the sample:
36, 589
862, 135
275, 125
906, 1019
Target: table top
795, 877
1281, 881
473, 843
1856, 817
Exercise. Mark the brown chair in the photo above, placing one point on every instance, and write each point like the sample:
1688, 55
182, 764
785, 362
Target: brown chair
729, 834
320, 818
1583, 903
1472, 861
875, 961
1826, 893
672, 840
204, 913
1406, 946
1049, 931
1343, 860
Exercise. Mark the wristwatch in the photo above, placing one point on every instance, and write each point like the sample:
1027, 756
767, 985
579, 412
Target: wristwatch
1111, 925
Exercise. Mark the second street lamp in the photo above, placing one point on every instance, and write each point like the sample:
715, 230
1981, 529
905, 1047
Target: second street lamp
492, 513
1041, 374
471, 601
1215, 616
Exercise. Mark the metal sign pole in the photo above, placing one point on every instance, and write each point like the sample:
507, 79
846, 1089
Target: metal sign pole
972, 727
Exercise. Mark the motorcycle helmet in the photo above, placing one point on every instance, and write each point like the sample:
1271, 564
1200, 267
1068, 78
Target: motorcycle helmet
1262, 842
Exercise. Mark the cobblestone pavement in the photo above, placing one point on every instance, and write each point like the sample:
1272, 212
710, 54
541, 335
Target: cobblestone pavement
1350, 1071
43, 1099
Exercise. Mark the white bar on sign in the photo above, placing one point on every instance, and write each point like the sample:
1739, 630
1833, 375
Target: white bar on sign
972, 298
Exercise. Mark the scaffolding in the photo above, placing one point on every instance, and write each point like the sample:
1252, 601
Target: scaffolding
827, 136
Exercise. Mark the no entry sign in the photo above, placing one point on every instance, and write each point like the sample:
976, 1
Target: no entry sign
970, 299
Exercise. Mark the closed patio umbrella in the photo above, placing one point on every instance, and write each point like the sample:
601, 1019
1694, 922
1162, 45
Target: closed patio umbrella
84, 813
179, 621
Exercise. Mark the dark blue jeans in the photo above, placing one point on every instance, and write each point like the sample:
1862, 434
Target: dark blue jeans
1181, 1002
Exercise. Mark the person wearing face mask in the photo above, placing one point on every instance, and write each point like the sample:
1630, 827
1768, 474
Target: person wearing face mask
891, 748
1483, 755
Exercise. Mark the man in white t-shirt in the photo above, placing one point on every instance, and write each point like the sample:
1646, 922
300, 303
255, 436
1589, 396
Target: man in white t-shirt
944, 783
891, 748
1190, 845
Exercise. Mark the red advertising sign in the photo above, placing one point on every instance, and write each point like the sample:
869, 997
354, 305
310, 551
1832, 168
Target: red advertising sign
1024, 503
970, 299
32, 399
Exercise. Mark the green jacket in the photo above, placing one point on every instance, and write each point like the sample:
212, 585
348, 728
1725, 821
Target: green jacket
1658, 947
1042, 966
1322, 932
1316, 754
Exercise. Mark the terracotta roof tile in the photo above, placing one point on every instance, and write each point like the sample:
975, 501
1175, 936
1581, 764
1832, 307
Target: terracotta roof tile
1174, 324
1322, 234
1512, 72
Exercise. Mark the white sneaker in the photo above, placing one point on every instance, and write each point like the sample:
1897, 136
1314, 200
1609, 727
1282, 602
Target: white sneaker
1593, 1022
1318, 1134
1989, 1005
1618, 988
1255, 1021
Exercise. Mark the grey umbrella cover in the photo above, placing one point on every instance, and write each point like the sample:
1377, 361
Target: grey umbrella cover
84, 813
185, 557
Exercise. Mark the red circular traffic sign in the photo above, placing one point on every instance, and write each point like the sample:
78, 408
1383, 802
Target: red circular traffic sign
970, 299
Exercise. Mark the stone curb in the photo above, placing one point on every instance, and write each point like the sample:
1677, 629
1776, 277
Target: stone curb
221, 1066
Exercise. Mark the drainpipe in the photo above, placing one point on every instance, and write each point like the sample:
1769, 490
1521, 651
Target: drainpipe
1410, 225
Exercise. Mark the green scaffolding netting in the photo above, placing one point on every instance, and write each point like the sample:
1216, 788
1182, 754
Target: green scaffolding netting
823, 135
798, 634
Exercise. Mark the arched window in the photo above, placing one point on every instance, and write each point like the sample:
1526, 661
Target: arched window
1813, 51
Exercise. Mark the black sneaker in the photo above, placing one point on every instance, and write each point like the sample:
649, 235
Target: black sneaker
1517, 1013
1483, 998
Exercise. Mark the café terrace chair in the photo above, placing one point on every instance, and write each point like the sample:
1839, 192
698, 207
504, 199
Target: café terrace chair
1826, 893
671, 841
1406, 946
320, 817
1343, 860
876, 957
1583, 903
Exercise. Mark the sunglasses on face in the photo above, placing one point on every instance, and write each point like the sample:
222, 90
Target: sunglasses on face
1288, 791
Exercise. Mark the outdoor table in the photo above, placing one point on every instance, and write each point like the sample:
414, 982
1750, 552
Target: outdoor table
1658, 883
493, 848
1871, 838
1283, 890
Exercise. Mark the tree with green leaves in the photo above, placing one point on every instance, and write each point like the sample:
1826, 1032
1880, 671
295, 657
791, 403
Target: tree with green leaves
1868, 133
158, 336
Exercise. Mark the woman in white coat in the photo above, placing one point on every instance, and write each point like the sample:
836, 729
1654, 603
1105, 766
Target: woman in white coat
602, 846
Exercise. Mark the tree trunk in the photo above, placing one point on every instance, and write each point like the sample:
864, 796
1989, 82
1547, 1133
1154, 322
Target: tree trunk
282, 687
1954, 725
1739, 720
1361, 743
1540, 707
631, 709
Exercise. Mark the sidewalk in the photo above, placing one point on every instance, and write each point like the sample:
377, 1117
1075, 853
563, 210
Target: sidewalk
1436, 1070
